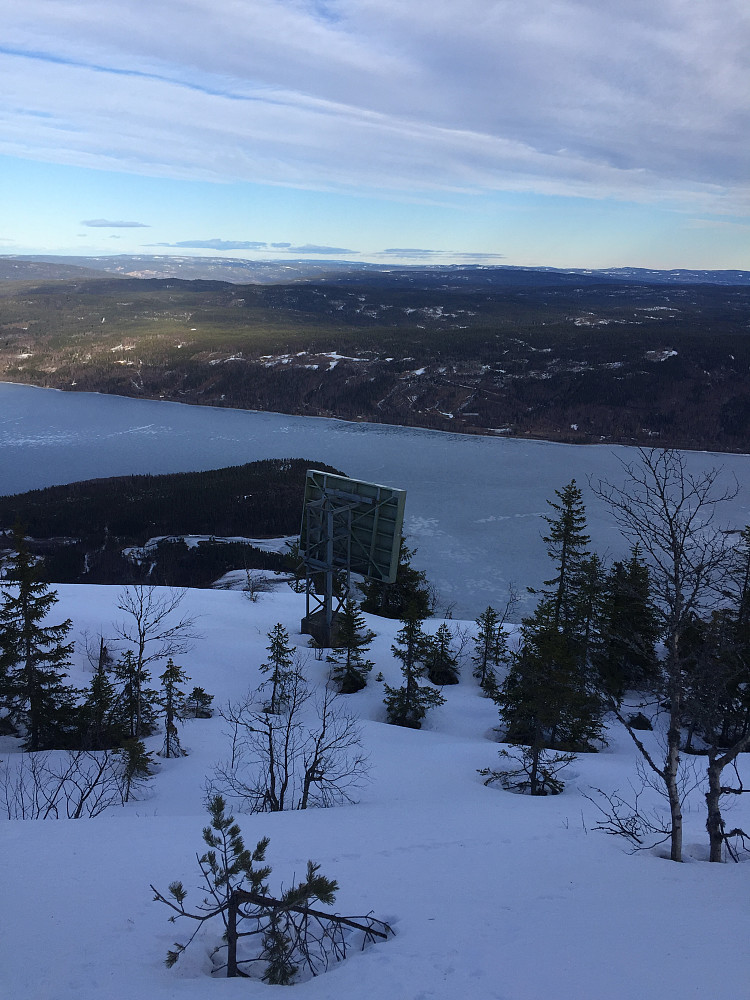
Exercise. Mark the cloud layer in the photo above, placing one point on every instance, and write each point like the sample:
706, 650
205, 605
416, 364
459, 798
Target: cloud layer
217, 244
639, 101
108, 224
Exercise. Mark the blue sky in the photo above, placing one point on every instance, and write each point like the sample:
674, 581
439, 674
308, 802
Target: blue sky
582, 133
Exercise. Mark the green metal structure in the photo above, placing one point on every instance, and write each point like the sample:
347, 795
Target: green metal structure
348, 526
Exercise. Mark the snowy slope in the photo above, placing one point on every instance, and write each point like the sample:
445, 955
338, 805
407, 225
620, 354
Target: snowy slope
492, 895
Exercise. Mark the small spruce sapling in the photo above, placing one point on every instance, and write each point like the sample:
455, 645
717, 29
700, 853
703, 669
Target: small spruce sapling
135, 702
486, 646
154, 631
172, 702
491, 644
99, 726
280, 668
198, 703
528, 771
296, 566
440, 662
408, 705
349, 668
138, 767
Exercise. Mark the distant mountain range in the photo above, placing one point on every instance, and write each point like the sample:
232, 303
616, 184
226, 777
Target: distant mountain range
238, 271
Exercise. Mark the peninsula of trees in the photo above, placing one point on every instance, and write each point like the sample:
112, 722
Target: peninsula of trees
86, 531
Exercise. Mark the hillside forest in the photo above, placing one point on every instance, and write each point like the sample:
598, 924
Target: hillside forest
562, 356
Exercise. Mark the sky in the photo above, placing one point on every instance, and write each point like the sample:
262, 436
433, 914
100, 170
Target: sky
568, 133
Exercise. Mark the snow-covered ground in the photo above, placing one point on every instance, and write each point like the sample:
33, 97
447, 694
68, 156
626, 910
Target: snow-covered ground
492, 895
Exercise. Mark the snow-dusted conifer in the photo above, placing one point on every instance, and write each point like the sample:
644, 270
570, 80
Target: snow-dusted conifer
491, 649
280, 668
408, 705
135, 698
138, 767
172, 701
349, 667
33, 657
409, 594
99, 725
199, 703
440, 662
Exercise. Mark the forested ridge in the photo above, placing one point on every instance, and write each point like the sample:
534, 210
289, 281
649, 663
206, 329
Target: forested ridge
562, 356
82, 528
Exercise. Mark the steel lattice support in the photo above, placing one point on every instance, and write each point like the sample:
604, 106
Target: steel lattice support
329, 522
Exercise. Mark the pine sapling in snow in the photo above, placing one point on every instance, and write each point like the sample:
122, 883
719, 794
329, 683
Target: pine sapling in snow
272, 938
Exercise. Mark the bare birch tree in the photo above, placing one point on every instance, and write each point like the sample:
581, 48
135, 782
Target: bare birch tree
671, 514
294, 759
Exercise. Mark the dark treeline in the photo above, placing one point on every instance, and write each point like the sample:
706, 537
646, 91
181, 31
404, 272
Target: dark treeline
81, 529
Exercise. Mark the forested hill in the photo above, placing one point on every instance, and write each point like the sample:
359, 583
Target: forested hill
81, 529
654, 358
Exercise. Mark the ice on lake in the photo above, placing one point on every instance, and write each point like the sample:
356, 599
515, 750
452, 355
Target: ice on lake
474, 505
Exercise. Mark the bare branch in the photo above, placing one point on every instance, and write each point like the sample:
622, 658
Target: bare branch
151, 625
61, 784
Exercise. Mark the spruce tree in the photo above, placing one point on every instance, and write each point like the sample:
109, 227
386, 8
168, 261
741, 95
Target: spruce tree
626, 654
280, 668
545, 701
154, 630
138, 767
349, 668
491, 650
440, 662
573, 600
100, 727
199, 703
588, 615
171, 701
408, 705
567, 546
33, 657
409, 594
550, 698
135, 700
296, 566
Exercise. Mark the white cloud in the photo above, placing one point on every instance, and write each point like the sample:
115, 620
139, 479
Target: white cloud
215, 244
413, 253
587, 97
316, 248
107, 224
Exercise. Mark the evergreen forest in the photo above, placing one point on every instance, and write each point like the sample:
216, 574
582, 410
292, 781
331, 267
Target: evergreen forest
85, 531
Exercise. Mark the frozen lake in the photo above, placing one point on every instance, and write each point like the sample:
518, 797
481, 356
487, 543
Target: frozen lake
473, 508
